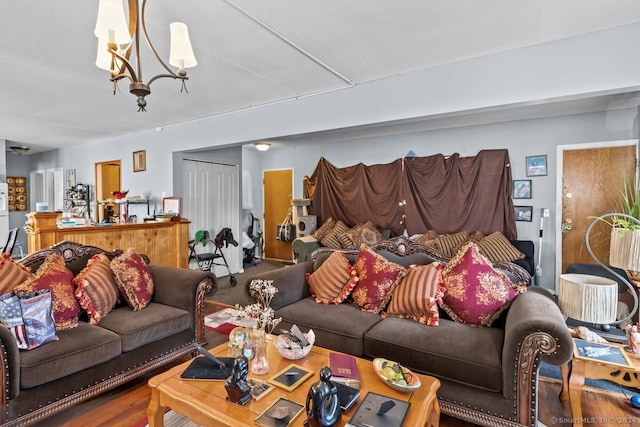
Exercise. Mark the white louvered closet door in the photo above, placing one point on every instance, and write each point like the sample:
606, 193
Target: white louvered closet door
211, 203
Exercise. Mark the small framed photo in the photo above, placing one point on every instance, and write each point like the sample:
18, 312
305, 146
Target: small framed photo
171, 205
537, 165
524, 213
521, 188
281, 413
70, 178
290, 377
140, 161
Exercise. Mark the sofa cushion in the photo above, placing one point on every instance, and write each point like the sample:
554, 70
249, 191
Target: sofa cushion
418, 294
137, 328
476, 293
96, 291
377, 278
333, 281
11, 273
496, 247
77, 349
475, 359
332, 240
54, 275
324, 229
133, 278
340, 327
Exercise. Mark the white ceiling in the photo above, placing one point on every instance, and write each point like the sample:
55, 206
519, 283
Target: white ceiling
252, 53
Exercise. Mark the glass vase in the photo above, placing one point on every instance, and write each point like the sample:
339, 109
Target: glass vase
259, 363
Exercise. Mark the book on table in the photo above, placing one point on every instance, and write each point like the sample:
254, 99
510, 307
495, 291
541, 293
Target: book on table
344, 369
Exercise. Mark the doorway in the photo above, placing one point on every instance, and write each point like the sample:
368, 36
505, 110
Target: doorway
107, 181
589, 176
278, 192
211, 203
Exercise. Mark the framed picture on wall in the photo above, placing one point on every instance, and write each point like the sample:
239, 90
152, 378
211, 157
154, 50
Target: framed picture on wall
537, 165
521, 188
140, 161
524, 213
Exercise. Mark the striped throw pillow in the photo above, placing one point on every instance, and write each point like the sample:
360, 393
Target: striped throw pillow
497, 247
11, 274
332, 240
418, 295
96, 290
333, 281
448, 243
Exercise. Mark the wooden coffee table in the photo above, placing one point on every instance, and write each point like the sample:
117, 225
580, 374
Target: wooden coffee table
204, 402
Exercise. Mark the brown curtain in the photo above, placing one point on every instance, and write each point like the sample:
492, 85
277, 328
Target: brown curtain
357, 194
445, 194
459, 194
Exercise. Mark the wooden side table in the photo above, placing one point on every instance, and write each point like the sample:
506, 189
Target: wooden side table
619, 368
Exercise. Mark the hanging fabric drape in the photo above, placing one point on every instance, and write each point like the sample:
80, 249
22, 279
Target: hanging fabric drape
357, 194
445, 194
459, 193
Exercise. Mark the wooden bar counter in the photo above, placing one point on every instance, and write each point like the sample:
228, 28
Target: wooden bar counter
165, 243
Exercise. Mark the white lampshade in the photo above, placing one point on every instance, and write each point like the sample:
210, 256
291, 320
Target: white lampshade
624, 252
112, 22
181, 54
103, 57
591, 299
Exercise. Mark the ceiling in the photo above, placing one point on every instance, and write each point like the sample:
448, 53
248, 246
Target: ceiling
252, 53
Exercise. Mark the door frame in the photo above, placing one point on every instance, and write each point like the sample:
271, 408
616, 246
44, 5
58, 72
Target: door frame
560, 149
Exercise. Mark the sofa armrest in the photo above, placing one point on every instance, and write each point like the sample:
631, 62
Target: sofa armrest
290, 281
535, 331
10, 364
185, 289
303, 247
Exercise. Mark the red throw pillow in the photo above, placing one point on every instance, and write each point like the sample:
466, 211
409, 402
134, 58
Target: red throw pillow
54, 275
377, 278
96, 290
475, 292
418, 295
11, 273
333, 281
133, 278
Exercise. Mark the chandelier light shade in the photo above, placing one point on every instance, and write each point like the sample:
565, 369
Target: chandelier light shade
119, 41
262, 146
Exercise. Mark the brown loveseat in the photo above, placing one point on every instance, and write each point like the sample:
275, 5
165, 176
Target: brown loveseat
488, 374
91, 359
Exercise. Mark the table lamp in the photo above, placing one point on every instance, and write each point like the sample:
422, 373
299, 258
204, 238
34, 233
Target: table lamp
592, 298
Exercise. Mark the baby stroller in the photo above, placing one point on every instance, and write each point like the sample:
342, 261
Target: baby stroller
208, 259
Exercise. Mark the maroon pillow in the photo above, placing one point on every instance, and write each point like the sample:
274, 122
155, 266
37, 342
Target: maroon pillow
133, 278
476, 293
54, 275
377, 278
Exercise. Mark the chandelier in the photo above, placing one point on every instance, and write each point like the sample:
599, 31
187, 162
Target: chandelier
117, 39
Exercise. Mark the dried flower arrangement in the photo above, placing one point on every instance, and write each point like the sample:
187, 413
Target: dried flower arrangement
261, 311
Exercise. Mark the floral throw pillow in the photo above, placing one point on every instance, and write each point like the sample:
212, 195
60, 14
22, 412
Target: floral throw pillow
476, 293
133, 278
418, 295
96, 289
11, 273
54, 275
377, 278
333, 281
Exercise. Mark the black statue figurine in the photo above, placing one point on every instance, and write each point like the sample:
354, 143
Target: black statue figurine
237, 388
323, 409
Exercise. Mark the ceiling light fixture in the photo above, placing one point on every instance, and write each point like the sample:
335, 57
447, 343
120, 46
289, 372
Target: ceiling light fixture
262, 146
116, 40
19, 149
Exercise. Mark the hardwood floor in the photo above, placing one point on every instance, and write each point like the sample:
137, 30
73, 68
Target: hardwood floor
127, 405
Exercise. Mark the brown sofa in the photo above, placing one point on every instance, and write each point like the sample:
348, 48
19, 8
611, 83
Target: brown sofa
488, 374
91, 359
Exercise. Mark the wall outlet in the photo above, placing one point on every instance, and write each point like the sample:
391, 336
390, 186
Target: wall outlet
545, 213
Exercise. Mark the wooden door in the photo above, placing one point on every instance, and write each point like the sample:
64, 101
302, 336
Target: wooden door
590, 182
278, 192
107, 181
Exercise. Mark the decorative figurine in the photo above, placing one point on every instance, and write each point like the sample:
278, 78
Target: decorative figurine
633, 335
237, 388
323, 409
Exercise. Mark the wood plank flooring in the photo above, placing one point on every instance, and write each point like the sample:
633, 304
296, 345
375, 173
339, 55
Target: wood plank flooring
127, 405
